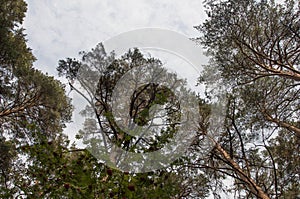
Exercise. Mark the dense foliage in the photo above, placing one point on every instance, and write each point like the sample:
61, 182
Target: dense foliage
32, 104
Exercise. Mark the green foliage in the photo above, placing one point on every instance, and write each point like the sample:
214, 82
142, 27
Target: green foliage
252, 39
254, 51
33, 107
13, 48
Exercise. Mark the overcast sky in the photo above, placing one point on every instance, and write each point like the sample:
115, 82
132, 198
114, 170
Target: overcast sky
61, 28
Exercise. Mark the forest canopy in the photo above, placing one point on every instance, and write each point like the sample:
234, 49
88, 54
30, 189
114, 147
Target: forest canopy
253, 47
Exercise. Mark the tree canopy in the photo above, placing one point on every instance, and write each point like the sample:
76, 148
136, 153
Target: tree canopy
253, 46
172, 181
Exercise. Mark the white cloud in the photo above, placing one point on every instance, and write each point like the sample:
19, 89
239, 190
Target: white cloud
60, 28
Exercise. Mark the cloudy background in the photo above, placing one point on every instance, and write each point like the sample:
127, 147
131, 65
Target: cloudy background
61, 28
57, 29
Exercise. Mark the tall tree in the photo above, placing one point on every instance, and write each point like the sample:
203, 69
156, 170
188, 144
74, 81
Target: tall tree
254, 49
31, 103
171, 182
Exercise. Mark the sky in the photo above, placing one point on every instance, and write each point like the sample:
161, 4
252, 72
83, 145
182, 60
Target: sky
61, 28
57, 29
